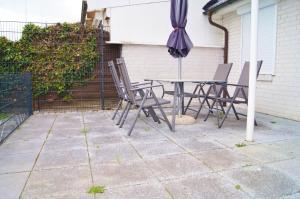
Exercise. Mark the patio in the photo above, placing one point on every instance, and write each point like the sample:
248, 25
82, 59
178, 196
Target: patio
61, 155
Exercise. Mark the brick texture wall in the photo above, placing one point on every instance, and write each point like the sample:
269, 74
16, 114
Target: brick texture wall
151, 61
279, 95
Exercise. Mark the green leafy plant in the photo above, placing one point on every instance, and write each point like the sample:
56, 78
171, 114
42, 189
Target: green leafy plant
239, 145
59, 57
96, 189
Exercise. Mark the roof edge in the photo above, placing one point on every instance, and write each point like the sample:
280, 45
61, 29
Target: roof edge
216, 7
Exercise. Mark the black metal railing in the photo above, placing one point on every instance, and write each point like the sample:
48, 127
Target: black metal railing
15, 102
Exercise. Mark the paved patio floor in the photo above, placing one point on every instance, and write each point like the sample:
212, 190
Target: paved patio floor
61, 155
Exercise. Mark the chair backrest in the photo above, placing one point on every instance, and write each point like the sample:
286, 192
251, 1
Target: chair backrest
116, 79
244, 78
125, 79
221, 73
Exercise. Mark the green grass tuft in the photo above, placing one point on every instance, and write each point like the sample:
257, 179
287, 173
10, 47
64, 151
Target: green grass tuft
3, 116
84, 130
273, 122
118, 159
238, 187
147, 129
239, 145
247, 165
96, 189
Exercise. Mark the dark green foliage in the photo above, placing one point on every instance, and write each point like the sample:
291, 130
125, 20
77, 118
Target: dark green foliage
59, 56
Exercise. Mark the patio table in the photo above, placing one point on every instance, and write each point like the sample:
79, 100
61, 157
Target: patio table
179, 92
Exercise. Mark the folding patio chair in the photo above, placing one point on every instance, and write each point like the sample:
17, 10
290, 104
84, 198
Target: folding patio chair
147, 101
222, 74
120, 91
240, 95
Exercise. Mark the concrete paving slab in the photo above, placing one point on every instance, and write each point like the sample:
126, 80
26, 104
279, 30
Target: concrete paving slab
27, 135
196, 145
95, 141
156, 149
11, 185
264, 153
54, 144
62, 181
147, 191
66, 133
112, 153
175, 166
31, 146
116, 164
72, 194
124, 174
290, 167
263, 182
223, 159
203, 186
17, 162
58, 159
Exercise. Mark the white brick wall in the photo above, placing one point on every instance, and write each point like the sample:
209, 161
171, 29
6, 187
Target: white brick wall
281, 95
151, 61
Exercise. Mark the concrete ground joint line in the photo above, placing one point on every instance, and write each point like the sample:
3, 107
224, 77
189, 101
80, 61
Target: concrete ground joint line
37, 157
182, 147
152, 171
88, 153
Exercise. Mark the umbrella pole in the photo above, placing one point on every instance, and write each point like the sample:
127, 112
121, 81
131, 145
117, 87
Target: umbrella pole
179, 89
179, 67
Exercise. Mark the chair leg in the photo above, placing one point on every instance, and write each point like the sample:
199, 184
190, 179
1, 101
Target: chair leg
123, 112
210, 109
190, 100
138, 113
226, 114
235, 113
125, 116
118, 108
200, 108
162, 111
153, 114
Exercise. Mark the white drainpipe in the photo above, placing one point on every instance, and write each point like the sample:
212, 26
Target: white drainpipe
253, 70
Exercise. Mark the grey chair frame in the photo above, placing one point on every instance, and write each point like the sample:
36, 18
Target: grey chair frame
147, 101
240, 95
120, 90
222, 73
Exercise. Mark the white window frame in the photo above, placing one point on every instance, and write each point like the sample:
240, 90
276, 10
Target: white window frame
246, 9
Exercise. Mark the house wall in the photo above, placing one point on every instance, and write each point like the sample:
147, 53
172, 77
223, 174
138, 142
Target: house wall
148, 22
154, 61
278, 94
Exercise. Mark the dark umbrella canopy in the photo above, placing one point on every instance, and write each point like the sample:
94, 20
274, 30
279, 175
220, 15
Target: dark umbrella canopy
179, 42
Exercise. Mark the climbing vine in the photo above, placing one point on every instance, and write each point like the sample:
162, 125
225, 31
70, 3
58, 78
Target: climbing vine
59, 57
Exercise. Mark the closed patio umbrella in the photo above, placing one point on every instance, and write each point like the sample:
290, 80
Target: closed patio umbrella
179, 43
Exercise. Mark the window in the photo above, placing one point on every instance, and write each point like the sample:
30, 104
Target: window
266, 37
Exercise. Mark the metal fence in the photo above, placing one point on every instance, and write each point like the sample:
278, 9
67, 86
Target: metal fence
15, 102
87, 84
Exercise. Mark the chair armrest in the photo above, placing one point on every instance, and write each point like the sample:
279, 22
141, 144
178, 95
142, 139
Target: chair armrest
237, 85
139, 84
144, 87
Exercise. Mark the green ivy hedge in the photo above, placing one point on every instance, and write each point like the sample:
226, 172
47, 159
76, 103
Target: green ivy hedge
59, 56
